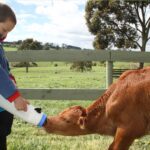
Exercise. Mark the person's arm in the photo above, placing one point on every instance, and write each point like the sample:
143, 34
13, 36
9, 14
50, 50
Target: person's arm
10, 92
13, 79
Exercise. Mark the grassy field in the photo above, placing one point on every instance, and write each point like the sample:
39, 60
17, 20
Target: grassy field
7, 48
27, 137
59, 77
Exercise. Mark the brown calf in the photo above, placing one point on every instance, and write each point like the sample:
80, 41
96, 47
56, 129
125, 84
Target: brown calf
123, 111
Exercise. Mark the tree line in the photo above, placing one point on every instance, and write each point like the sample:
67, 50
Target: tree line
32, 44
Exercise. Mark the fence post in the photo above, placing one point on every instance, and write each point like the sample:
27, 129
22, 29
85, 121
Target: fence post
109, 72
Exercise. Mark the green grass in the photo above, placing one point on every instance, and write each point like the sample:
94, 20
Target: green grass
27, 137
10, 48
59, 77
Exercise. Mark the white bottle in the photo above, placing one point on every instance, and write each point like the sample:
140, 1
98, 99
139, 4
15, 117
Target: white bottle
30, 116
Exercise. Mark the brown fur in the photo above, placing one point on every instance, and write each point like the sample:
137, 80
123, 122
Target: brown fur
123, 111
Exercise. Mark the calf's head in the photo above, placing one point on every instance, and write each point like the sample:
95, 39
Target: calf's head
67, 122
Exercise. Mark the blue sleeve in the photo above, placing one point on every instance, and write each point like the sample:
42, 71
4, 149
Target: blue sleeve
7, 87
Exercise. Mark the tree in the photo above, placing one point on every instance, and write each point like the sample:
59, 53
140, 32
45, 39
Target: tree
46, 46
30, 44
121, 24
19, 42
82, 66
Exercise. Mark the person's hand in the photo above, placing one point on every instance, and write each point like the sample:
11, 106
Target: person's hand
21, 103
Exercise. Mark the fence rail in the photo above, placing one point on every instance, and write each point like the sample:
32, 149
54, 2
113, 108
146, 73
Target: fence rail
57, 55
72, 56
62, 94
76, 55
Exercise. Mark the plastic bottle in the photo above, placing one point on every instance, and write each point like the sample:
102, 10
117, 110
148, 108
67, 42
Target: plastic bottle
31, 115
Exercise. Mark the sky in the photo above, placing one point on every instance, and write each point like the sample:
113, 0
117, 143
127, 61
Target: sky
53, 21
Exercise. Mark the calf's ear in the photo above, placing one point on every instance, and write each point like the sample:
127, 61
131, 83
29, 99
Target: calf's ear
82, 122
83, 119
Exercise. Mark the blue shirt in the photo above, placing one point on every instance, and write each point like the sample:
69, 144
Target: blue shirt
7, 87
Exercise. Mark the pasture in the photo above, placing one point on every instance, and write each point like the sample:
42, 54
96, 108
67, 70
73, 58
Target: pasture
27, 137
